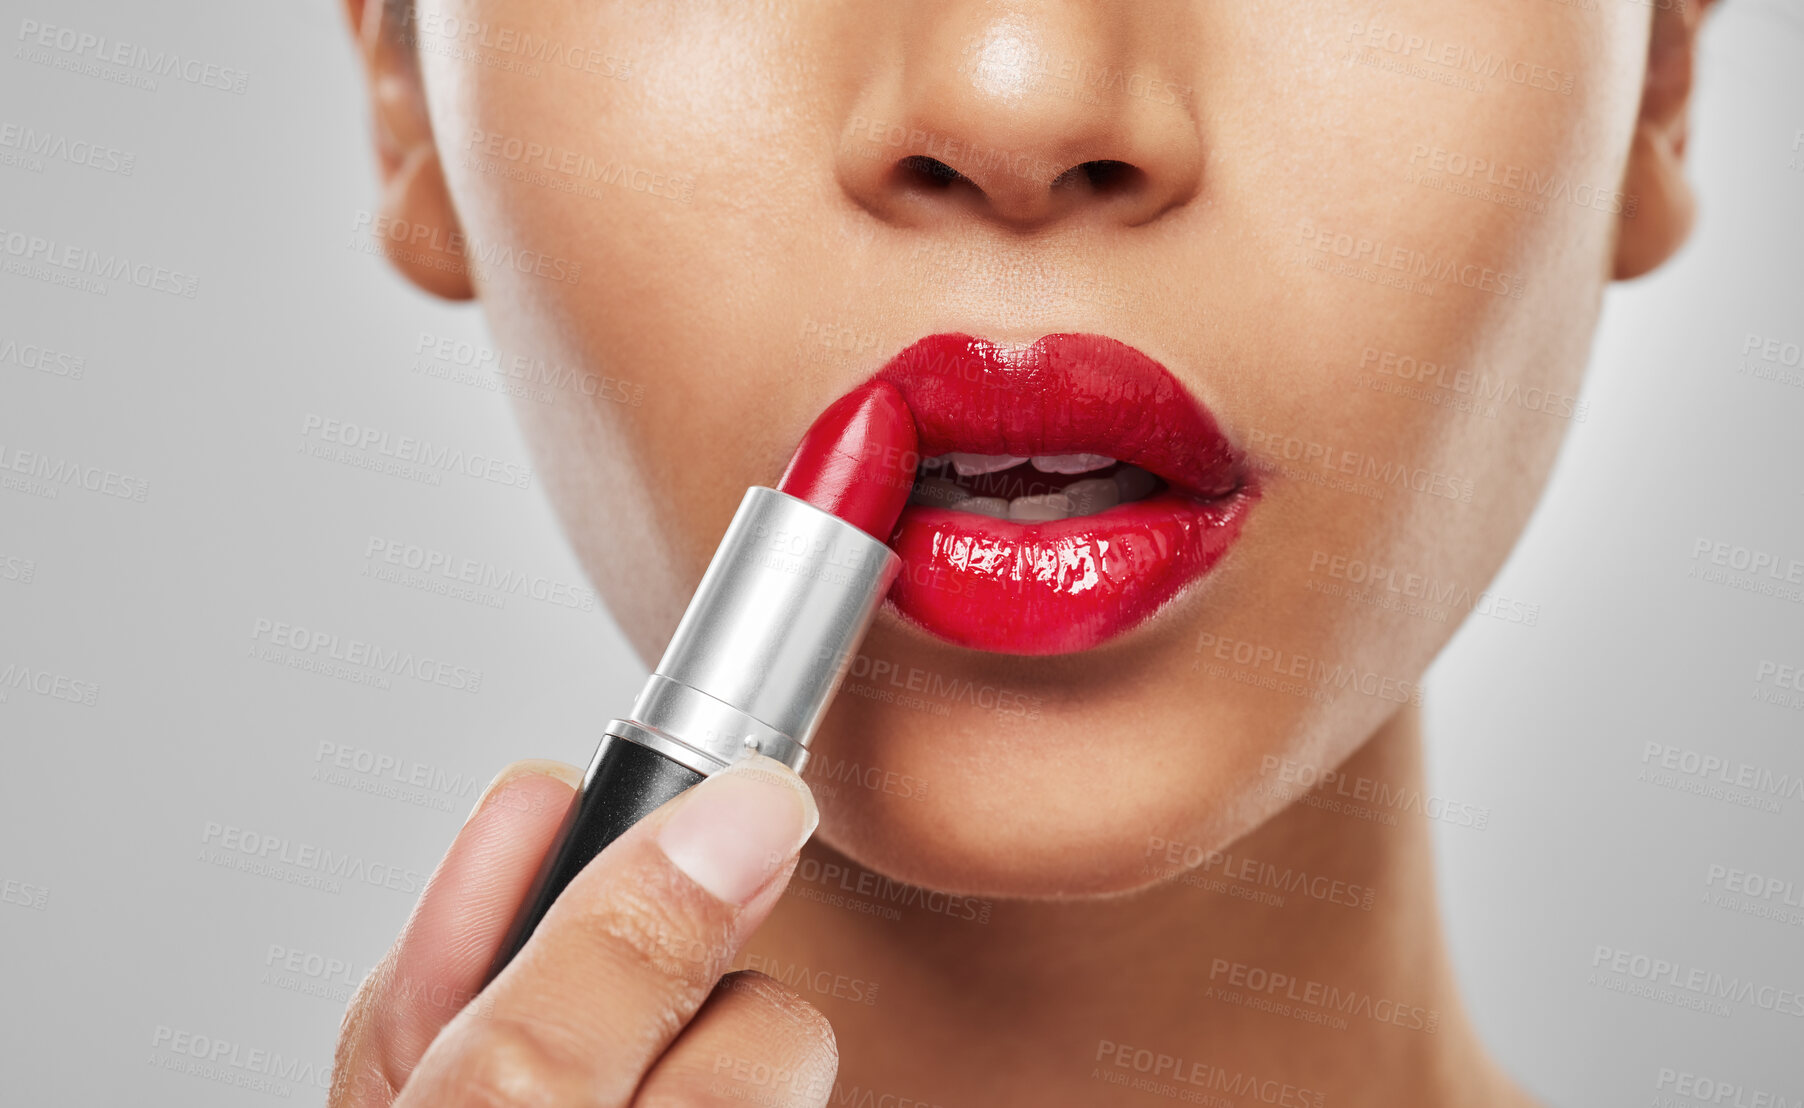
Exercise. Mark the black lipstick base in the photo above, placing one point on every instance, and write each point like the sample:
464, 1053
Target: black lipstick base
626, 782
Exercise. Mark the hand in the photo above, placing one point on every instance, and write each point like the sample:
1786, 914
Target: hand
618, 998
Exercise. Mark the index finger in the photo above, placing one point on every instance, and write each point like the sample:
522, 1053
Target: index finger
437, 963
629, 951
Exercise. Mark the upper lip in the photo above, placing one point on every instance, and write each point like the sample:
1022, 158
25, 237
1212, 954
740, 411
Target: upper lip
1064, 394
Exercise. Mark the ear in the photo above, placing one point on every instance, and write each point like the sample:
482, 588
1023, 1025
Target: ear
1661, 207
413, 183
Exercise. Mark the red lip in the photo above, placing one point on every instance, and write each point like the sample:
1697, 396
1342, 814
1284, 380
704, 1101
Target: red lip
1067, 585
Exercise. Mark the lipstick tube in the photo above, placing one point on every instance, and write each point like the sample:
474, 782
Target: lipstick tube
759, 653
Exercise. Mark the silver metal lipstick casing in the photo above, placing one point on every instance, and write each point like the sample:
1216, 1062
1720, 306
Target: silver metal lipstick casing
766, 639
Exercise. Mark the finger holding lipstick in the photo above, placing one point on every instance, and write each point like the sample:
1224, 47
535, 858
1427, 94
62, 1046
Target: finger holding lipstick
618, 994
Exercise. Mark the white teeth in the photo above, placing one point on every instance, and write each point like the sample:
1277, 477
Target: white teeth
1071, 463
976, 465
993, 506
1098, 494
1039, 509
1080, 498
1135, 483
938, 492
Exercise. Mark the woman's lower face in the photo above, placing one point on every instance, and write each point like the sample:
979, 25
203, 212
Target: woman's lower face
1339, 265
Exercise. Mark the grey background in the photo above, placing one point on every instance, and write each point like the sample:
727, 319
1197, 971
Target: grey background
130, 934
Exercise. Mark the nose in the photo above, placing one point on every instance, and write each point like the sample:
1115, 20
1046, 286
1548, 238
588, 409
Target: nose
1024, 115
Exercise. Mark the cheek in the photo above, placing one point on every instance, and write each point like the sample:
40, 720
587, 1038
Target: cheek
1424, 235
603, 245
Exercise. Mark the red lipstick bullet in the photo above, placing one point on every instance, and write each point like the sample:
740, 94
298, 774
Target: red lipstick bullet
858, 460
766, 638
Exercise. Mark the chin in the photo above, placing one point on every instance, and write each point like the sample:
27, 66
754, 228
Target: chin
1063, 802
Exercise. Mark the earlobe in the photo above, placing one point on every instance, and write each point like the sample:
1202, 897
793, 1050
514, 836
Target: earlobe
1659, 206
415, 198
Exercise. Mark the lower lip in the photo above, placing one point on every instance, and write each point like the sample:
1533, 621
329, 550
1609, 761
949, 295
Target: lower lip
1056, 587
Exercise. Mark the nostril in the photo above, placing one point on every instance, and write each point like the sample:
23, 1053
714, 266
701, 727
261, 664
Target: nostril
918, 169
1112, 176
1022, 191
1104, 177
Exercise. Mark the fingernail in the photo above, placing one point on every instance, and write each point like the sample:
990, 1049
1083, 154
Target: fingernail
531, 767
732, 831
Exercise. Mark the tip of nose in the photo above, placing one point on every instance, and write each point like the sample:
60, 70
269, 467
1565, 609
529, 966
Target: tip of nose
1015, 118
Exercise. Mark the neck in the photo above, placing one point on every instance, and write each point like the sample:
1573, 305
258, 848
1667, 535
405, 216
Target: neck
1308, 954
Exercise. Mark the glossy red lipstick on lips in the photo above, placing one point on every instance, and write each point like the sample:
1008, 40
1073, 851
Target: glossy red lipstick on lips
766, 638
1014, 577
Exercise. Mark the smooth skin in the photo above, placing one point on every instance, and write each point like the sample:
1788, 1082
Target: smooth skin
769, 240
